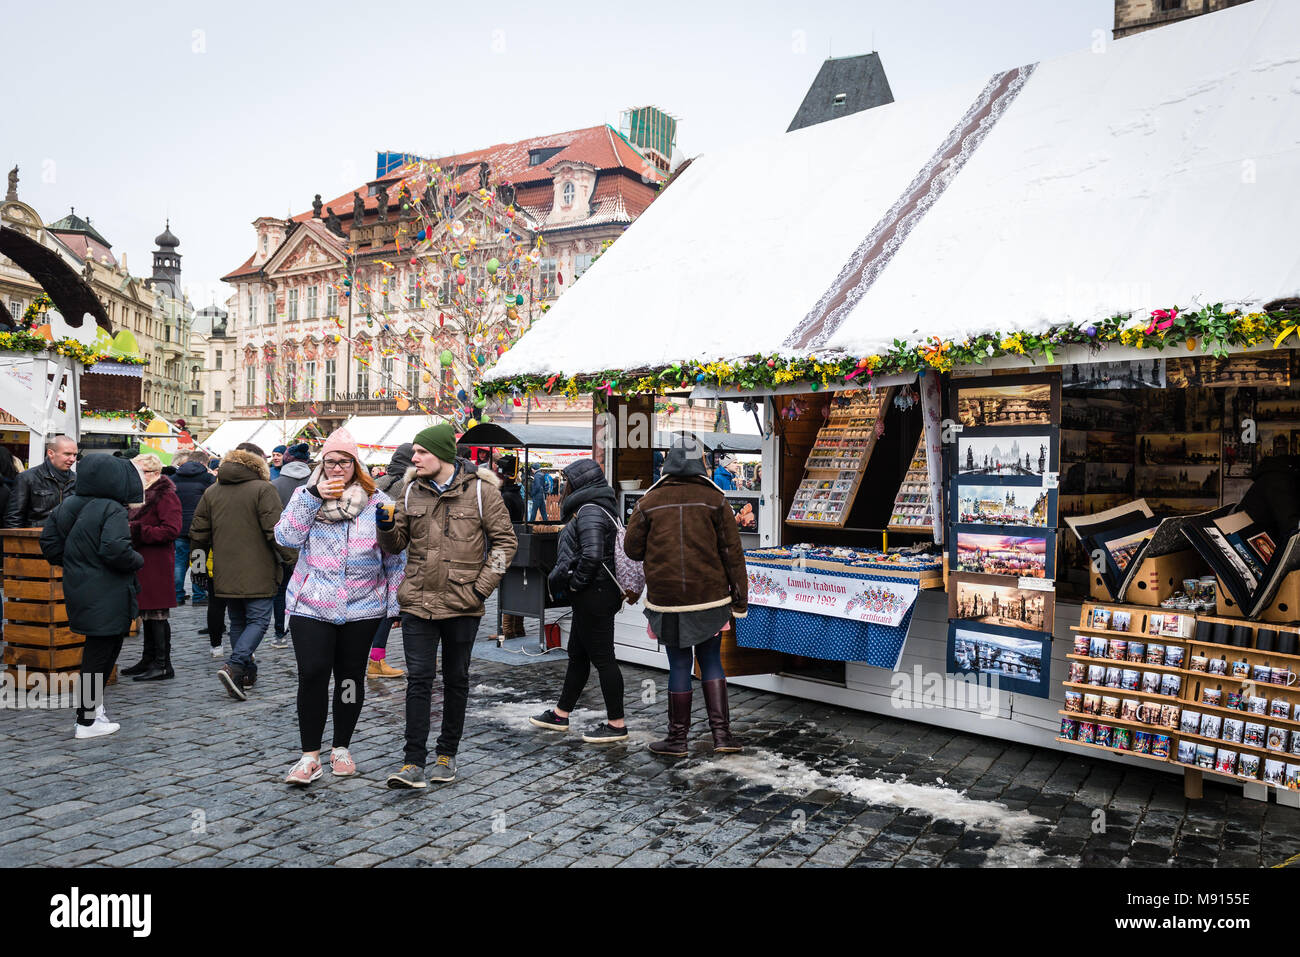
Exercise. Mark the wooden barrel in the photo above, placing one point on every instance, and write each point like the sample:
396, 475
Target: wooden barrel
37, 634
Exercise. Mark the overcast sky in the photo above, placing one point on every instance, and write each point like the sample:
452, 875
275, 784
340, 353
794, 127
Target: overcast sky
216, 113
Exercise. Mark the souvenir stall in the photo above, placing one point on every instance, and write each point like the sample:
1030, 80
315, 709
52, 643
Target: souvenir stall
949, 407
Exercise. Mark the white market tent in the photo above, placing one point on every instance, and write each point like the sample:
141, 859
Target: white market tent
378, 436
266, 434
1161, 171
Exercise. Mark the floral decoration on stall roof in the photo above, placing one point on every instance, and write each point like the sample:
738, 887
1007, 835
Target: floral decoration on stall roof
33, 334
1212, 329
143, 416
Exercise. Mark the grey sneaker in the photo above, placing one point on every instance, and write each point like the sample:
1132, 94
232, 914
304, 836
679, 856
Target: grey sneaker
444, 769
410, 776
605, 734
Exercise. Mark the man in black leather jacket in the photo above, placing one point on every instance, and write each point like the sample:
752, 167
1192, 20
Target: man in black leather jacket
40, 490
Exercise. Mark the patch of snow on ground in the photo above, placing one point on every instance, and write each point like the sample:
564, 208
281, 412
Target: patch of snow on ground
791, 775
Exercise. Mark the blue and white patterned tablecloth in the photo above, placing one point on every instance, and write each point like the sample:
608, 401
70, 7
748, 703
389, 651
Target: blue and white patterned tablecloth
823, 636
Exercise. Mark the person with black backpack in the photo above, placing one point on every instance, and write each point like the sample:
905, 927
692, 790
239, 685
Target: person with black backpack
584, 571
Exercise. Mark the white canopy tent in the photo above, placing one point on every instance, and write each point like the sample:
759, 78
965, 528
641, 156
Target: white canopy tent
378, 436
266, 434
1159, 172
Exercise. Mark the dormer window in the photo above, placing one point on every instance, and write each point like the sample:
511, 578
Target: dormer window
839, 101
568, 194
537, 157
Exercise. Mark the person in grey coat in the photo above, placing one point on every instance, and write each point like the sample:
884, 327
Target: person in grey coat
295, 469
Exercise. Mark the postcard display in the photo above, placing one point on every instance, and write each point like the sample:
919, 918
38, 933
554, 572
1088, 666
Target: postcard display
1215, 695
1002, 516
838, 460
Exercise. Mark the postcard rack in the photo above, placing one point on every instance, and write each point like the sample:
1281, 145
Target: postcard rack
838, 460
1148, 683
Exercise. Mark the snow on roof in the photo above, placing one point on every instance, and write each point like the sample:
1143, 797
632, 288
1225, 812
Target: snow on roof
1159, 172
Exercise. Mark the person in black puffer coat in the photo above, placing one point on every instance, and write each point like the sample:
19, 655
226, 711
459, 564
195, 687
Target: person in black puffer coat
88, 535
584, 570
507, 469
394, 476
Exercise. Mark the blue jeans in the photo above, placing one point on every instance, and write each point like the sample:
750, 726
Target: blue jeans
681, 666
182, 566
249, 618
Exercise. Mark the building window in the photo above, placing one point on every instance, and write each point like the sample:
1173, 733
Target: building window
581, 263
270, 384
410, 290
311, 302
270, 308
291, 381
331, 301
568, 194
216, 401
293, 305
363, 379
330, 378
250, 386
547, 287
309, 384
194, 409
384, 284
1167, 5
448, 383
16, 309
252, 308
839, 101
445, 290
412, 377
220, 353
389, 384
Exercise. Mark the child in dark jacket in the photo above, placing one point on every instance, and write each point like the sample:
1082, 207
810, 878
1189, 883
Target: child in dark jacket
88, 534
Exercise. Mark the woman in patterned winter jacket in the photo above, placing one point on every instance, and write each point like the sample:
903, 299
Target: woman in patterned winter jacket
342, 587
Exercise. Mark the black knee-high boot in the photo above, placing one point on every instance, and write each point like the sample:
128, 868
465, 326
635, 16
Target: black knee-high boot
162, 664
149, 652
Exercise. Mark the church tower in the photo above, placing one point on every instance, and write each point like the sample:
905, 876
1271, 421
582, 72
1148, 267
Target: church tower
167, 263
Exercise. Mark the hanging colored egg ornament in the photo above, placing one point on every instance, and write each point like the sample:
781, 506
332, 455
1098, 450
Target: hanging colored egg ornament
425, 377
460, 279
402, 403
493, 265
446, 358
519, 300
458, 229
486, 418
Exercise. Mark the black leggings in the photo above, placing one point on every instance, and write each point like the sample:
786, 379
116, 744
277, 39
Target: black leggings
322, 648
97, 660
216, 619
591, 642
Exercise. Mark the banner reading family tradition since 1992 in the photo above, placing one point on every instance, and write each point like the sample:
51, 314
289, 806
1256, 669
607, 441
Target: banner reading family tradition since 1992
874, 601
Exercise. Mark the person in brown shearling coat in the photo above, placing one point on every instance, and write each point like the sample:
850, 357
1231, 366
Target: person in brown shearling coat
685, 532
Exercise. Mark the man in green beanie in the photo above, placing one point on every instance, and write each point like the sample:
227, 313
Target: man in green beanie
459, 541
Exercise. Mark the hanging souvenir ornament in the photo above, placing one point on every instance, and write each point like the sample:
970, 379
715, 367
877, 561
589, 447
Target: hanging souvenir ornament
446, 358
493, 265
402, 403
458, 229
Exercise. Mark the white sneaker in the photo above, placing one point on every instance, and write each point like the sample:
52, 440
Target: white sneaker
98, 729
217, 653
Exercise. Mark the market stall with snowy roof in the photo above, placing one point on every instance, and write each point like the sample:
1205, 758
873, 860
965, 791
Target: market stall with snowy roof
266, 434
1053, 224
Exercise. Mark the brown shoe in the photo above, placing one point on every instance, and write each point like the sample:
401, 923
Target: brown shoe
380, 668
679, 724
715, 701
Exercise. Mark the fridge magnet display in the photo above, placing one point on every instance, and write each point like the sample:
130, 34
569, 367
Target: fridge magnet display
1019, 661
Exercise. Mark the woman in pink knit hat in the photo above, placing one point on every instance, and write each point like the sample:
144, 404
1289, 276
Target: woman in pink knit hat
342, 587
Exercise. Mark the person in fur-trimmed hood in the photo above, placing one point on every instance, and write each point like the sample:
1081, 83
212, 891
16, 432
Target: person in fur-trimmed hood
685, 532
236, 520
451, 520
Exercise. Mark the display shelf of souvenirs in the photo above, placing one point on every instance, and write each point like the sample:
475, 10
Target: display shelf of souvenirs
839, 456
1236, 711
913, 506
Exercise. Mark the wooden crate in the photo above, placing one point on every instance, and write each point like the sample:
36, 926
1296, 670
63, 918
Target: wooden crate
37, 635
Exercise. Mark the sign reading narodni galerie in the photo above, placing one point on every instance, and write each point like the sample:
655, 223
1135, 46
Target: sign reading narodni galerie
861, 599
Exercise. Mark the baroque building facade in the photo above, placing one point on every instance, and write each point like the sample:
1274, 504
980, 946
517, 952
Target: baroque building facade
576, 190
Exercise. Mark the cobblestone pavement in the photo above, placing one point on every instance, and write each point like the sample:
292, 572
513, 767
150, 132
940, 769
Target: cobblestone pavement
195, 778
